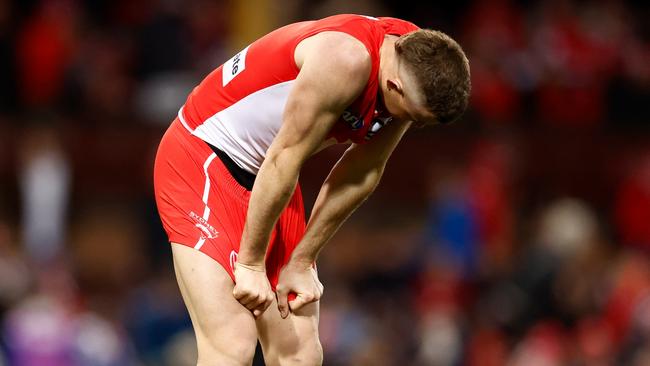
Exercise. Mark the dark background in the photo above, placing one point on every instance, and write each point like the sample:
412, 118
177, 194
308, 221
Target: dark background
520, 235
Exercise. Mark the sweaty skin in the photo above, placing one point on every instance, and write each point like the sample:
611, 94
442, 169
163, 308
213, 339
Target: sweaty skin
334, 69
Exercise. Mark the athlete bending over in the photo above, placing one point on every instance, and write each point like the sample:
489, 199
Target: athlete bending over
227, 169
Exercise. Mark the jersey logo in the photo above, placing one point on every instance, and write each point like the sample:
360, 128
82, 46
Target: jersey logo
354, 121
207, 230
377, 124
234, 66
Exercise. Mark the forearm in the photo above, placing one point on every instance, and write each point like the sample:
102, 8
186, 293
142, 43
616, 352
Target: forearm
325, 86
273, 188
340, 195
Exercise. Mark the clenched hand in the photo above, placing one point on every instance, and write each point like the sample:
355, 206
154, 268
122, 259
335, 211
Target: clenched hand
252, 287
300, 279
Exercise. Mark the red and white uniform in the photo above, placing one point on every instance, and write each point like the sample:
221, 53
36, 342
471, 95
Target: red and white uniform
238, 109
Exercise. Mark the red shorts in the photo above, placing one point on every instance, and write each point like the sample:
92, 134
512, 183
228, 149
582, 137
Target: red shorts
202, 206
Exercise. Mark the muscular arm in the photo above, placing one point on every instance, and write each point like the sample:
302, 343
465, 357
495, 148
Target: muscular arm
334, 71
351, 181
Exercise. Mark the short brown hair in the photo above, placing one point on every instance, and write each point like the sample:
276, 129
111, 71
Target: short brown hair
441, 67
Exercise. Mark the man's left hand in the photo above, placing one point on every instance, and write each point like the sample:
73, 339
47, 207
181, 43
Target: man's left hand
300, 279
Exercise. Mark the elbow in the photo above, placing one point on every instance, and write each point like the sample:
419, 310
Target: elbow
284, 159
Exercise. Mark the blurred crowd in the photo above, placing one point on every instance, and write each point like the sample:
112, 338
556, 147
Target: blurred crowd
518, 236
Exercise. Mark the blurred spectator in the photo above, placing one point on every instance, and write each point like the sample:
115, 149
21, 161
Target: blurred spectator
566, 227
494, 38
155, 318
15, 276
637, 347
158, 98
471, 210
544, 345
575, 69
343, 326
45, 185
43, 51
99, 84
633, 204
181, 350
107, 254
50, 328
453, 232
629, 284
491, 176
441, 339
486, 347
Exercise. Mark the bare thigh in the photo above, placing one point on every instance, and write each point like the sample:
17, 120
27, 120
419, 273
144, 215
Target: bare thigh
225, 331
290, 341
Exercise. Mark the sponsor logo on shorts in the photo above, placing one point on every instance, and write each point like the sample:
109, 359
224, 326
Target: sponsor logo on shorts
207, 230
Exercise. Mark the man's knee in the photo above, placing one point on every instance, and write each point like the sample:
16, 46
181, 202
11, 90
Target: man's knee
236, 352
312, 355
307, 354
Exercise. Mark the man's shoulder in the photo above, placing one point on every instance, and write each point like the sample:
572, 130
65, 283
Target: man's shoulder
342, 49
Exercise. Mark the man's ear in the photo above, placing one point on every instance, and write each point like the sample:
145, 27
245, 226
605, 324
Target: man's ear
395, 84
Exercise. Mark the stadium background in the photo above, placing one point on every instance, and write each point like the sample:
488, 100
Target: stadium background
518, 236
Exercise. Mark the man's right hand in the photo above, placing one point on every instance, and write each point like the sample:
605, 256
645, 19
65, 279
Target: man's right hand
252, 287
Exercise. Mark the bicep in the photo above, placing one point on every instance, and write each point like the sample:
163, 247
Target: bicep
324, 87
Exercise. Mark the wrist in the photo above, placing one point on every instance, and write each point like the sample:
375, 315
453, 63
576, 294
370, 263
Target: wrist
251, 267
302, 261
250, 259
251, 253
251, 262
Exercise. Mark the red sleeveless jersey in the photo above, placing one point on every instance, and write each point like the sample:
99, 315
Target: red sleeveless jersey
238, 107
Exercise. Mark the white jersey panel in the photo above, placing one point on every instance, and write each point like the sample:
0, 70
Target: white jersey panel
246, 129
